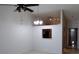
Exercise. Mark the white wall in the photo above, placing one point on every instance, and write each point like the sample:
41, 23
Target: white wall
48, 45
15, 36
53, 45
16, 32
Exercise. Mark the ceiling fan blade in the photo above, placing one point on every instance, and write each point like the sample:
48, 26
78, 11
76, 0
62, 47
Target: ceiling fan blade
18, 9
31, 5
28, 9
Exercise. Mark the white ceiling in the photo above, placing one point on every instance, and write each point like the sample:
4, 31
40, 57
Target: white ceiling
45, 8
51, 9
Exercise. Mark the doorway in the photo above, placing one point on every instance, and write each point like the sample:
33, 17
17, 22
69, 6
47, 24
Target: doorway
72, 41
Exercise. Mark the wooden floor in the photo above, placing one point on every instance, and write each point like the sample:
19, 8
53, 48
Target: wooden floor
70, 51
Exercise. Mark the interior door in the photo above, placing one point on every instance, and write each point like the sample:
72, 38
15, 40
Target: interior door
72, 42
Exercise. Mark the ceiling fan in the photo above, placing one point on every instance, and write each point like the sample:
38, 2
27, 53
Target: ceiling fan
24, 7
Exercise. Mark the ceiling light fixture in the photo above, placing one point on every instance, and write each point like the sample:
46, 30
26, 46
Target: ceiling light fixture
38, 20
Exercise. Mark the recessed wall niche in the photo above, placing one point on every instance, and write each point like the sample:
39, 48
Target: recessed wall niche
46, 33
47, 21
51, 21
